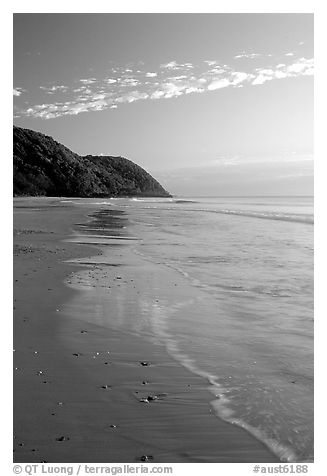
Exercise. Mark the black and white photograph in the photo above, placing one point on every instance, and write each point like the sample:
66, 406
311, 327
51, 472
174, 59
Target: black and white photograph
163, 245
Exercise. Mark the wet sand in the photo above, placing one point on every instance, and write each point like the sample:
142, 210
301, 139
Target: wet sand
86, 389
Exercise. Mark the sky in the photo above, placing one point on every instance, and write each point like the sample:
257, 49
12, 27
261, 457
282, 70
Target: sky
210, 104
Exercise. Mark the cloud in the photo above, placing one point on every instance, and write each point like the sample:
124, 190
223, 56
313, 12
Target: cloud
263, 75
172, 89
224, 161
128, 85
194, 89
217, 70
53, 89
280, 74
260, 79
173, 65
157, 94
88, 80
129, 82
18, 91
132, 97
255, 160
178, 78
218, 84
247, 55
302, 67
239, 77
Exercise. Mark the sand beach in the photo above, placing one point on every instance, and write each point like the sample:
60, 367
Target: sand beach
85, 388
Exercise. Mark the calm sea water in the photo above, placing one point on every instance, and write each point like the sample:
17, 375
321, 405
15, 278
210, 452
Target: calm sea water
249, 328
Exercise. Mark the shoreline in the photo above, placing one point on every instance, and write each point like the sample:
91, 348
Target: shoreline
85, 404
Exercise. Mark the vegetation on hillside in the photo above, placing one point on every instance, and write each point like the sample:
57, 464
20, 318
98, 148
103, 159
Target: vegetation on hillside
43, 166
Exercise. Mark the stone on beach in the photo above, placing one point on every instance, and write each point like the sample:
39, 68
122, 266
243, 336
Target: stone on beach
146, 458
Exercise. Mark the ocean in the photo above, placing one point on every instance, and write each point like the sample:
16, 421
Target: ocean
248, 328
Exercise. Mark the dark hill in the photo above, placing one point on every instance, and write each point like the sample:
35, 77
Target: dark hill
42, 166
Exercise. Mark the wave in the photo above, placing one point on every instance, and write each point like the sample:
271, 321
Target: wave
305, 218
283, 452
290, 217
221, 403
151, 200
86, 203
185, 201
222, 408
162, 200
294, 217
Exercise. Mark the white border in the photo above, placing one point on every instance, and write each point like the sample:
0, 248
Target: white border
169, 6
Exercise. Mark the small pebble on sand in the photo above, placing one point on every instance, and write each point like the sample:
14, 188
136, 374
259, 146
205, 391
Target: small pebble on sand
62, 438
146, 458
152, 397
144, 400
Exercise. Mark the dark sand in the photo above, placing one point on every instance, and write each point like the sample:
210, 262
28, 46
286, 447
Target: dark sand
74, 401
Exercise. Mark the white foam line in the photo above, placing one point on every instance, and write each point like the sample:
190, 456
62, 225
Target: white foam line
114, 237
221, 402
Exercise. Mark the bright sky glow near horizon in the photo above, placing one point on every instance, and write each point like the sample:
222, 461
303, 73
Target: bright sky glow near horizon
210, 104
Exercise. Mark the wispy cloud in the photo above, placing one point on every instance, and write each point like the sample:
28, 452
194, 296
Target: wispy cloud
18, 91
88, 80
219, 83
211, 62
53, 89
247, 55
302, 67
125, 85
173, 65
237, 160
